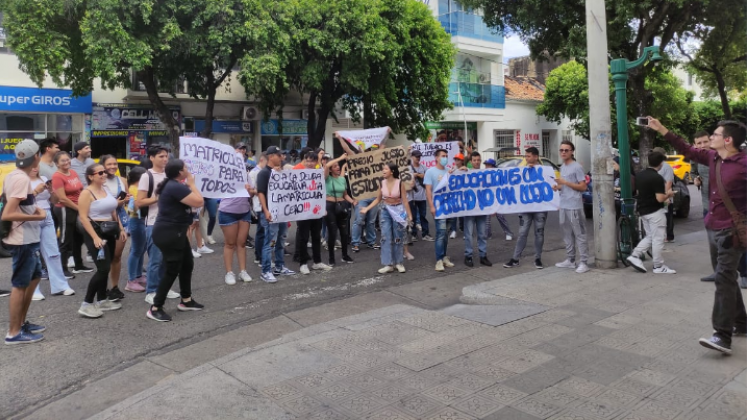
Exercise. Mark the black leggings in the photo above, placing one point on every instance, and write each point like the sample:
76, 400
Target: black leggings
71, 239
98, 282
336, 222
177, 256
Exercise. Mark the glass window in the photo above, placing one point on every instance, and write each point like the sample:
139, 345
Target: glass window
504, 138
22, 122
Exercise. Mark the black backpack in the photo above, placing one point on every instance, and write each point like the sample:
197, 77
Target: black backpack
4, 226
144, 210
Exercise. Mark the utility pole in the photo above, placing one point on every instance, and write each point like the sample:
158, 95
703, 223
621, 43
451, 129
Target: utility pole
605, 228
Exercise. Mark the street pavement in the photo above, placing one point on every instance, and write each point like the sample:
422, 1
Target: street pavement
85, 366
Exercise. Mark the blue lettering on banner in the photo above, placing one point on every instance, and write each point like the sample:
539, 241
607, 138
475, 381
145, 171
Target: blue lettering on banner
14, 98
488, 191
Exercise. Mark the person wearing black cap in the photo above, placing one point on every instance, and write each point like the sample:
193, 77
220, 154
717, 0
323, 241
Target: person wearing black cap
275, 233
82, 160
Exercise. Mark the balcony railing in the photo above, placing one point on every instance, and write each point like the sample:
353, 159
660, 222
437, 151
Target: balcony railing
469, 25
475, 95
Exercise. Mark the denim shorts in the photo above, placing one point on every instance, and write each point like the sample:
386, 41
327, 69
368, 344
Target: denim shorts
228, 219
26, 264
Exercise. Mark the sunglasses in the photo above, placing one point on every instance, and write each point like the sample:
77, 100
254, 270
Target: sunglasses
564, 150
99, 173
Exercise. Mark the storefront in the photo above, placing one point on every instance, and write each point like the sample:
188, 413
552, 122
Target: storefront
288, 135
229, 131
124, 130
32, 113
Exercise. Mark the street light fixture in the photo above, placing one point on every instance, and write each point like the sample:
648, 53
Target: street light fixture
619, 68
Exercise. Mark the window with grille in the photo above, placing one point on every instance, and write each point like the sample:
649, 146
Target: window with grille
546, 144
504, 138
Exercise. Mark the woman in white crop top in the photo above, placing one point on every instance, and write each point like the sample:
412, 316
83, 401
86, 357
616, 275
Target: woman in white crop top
97, 214
394, 218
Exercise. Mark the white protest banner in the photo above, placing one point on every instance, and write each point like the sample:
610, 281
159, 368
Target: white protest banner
428, 159
364, 139
219, 171
488, 191
296, 194
364, 170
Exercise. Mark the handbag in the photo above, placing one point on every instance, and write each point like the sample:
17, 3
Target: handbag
738, 220
108, 228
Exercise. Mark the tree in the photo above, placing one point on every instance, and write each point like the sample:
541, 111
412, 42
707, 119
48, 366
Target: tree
567, 96
163, 42
719, 62
559, 27
387, 59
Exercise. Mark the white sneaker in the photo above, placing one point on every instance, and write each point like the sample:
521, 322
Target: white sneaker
321, 266
268, 278
664, 270
230, 278
386, 269
108, 305
304, 269
204, 250
196, 254
70, 263
439, 265
308, 244
286, 244
453, 235
90, 310
245, 277
173, 295
566, 264
509, 238
210, 240
409, 256
68, 292
38, 296
447, 262
582, 268
149, 297
400, 268
636, 263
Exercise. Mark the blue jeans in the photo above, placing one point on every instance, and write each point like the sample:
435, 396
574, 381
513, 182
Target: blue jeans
419, 211
275, 234
367, 220
482, 235
442, 239
136, 229
156, 268
52, 257
211, 205
392, 239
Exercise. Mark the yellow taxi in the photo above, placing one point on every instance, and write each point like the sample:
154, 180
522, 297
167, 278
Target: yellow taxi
680, 166
514, 161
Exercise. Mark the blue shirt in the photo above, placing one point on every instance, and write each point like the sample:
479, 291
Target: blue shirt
433, 177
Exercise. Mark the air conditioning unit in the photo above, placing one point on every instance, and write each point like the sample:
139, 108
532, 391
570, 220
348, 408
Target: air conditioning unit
250, 113
484, 79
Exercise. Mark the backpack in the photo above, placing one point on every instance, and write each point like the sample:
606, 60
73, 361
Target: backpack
144, 210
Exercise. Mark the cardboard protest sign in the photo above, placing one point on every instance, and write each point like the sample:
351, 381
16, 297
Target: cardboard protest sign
296, 194
219, 171
364, 170
429, 151
488, 191
363, 139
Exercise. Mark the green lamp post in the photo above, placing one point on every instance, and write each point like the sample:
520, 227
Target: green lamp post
619, 68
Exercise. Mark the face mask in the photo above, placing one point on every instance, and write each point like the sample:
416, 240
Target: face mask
444, 161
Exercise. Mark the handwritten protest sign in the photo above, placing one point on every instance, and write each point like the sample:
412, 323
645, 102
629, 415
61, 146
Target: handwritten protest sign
489, 191
428, 159
364, 170
297, 194
363, 139
219, 171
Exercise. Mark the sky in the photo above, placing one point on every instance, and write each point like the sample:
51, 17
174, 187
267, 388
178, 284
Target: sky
513, 47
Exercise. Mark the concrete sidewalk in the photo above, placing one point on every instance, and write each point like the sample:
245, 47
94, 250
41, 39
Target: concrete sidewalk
542, 344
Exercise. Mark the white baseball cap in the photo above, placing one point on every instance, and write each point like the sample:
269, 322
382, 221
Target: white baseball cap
26, 152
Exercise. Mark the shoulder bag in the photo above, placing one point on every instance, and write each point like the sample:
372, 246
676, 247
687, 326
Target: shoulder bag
738, 220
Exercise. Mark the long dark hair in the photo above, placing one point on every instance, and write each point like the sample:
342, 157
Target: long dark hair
135, 174
90, 171
173, 168
394, 169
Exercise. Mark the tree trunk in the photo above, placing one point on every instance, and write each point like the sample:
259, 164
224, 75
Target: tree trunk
311, 122
162, 111
213, 86
721, 84
208, 129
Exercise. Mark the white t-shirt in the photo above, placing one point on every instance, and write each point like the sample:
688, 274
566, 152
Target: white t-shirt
143, 185
256, 205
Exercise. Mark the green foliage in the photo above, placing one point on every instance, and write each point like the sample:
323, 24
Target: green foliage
387, 59
567, 96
